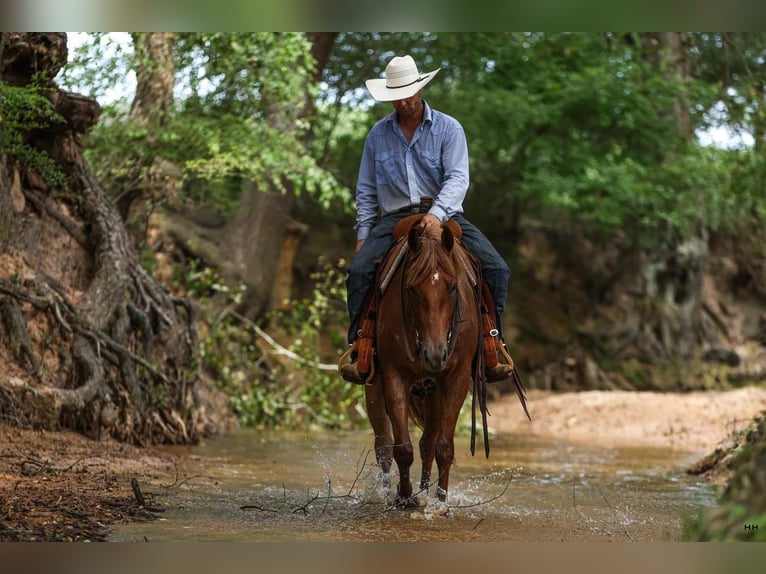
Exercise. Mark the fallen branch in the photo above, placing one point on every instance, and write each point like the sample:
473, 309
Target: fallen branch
315, 498
137, 492
280, 350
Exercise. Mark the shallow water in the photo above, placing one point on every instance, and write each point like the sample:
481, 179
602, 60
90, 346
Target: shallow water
324, 486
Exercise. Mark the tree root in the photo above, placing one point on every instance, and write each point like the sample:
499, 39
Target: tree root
19, 335
102, 362
120, 356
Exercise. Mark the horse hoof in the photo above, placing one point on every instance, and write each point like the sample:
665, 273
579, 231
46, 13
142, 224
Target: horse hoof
409, 503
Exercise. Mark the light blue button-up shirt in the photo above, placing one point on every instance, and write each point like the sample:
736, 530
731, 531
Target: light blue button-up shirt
395, 173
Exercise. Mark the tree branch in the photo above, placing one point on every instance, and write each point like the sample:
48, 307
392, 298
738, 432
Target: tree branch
279, 349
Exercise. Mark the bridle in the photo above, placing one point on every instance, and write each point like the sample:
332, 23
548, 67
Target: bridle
411, 325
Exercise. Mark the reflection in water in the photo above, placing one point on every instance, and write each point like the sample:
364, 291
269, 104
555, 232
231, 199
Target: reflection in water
323, 486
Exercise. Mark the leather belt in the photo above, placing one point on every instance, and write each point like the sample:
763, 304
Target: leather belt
422, 207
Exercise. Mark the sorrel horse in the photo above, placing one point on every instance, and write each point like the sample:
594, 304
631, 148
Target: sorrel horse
428, 339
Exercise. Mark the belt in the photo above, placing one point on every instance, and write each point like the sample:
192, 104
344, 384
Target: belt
422, 207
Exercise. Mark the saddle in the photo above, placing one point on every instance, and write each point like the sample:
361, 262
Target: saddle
365, 342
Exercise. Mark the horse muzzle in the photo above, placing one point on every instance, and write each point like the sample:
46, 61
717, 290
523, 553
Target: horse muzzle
435, 356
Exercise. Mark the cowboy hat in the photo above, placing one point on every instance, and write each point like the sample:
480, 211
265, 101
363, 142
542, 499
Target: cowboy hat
402, 80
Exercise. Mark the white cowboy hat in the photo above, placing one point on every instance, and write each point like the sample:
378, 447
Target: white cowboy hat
402, 80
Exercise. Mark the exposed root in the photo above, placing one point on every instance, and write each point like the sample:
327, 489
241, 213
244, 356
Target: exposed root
18, 334
120, 372
102, 346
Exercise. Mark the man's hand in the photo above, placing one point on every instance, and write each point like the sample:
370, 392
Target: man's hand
429, 220
358, 246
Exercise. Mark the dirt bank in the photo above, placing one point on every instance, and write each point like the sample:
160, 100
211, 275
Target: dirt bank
62, 486
65, 487
693, 422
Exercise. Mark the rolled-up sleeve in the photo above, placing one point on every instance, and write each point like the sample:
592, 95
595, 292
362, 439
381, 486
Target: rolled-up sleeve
366, 192
454, 155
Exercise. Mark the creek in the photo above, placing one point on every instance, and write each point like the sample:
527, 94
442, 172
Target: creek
324, 486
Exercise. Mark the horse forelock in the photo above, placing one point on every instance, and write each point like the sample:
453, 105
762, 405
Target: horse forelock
430, 259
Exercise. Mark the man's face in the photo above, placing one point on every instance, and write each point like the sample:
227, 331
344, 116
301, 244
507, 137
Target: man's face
408, 106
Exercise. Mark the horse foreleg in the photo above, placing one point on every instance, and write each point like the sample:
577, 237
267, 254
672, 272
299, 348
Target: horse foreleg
445, 442
404, 456
427, 451
381, 426
445, 455
428, 441
396, 402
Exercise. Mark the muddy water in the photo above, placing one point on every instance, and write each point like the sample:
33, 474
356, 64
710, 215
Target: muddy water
323, 486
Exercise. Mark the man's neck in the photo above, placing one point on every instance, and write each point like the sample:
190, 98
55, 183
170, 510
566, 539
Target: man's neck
410, 123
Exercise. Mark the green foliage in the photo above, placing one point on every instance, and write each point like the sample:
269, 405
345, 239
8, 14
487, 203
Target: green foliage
240, 99
568, 124
242, 116
271, 392
23, 110
203, 282
580, 127
730, 67
312, 324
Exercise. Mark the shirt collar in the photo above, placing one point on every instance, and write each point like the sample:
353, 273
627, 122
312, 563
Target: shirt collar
427, 114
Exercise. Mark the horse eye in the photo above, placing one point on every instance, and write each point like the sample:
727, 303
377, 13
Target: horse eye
452, 288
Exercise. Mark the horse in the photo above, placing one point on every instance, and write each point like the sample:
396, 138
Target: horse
428, 338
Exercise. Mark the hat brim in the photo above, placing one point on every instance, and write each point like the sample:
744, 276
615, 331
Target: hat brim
378, 89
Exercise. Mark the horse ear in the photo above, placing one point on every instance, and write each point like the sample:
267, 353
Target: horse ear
448, 240
413, 238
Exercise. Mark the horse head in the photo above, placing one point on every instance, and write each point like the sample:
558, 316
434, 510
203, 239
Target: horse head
431, 293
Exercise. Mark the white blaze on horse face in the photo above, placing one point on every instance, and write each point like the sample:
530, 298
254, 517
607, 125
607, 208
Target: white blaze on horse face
435, 278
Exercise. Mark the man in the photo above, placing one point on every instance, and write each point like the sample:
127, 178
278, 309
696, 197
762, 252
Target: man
413, 153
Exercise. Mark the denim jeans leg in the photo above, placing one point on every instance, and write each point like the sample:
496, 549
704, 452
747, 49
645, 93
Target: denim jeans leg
361, 271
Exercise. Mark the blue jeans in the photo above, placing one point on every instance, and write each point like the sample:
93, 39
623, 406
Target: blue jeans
361, 271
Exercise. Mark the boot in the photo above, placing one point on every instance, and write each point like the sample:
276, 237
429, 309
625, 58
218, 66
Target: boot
499, 372
350, 372
502, 370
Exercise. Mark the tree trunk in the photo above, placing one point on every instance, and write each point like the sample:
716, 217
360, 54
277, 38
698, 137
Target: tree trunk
667, 52
262, 236
155, 77
282, 289
254, 241
152, 179
759, 121
88, 340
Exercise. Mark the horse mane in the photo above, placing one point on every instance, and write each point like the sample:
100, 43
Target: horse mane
430, 257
